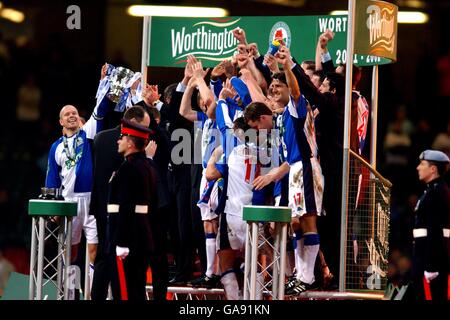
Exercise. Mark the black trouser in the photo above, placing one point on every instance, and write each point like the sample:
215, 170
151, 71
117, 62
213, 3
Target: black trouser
105, 267
158, 258
135, 267
181, 233
197, 222
330, 225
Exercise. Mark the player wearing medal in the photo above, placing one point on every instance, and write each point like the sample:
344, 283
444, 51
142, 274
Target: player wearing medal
70, 168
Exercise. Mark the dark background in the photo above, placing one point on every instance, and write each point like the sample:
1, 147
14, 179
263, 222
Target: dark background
65, 65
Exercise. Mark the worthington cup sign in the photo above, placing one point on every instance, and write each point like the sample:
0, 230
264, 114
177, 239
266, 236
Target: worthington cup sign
207, 40
171, 40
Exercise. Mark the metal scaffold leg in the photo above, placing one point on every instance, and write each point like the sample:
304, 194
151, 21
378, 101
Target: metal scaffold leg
261, 245
46, 229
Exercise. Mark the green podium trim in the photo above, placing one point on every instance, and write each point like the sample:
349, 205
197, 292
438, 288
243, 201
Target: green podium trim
267, 214
52, 208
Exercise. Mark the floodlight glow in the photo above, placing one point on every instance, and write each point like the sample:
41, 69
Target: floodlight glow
175, 11
402, 17
412, 17
12, 15
418, 4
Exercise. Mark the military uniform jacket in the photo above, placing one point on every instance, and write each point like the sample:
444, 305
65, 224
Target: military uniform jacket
431, 229
132, 198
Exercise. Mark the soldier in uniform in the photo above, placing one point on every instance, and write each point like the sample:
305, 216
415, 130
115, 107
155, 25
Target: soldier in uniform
132, 199
106, 160
431, 229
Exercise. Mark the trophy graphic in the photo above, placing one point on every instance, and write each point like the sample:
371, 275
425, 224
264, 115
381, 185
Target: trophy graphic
119, 79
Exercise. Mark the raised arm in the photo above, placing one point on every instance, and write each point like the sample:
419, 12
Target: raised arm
308, 89
271, 62
255, 91
223, 118
205, 93
151, 95
185, 106
284, 57
246, 61
239, 34
212, 172
318, 60
188, 72
324, 59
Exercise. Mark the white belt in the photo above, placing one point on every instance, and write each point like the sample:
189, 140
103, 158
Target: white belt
446, 232
420, 233
141, 209
113, 208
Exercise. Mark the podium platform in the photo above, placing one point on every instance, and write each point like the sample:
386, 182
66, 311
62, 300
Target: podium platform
255, 239
51, 219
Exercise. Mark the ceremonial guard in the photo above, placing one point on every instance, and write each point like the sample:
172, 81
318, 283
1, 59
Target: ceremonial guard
132, 198
431, 229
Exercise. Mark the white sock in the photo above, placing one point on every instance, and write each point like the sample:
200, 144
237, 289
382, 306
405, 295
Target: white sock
310, 251
210, 255
230, 285
299, 262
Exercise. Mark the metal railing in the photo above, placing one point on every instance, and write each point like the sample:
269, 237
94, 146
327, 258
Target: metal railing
368, 215
187, 293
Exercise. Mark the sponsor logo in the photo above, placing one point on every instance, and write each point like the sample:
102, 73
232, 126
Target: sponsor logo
209, 40
381, 23
281, 31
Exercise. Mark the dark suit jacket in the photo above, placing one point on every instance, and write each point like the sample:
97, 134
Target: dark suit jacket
106, 161
330, 128
354, 142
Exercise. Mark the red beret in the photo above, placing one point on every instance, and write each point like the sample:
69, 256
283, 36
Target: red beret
133, 129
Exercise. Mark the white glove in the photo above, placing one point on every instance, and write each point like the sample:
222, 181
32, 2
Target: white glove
122, 252
430, 275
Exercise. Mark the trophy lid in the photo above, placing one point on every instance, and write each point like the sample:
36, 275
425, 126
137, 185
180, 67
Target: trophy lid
124, 71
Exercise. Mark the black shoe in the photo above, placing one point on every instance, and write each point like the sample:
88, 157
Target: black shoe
177, 282
290, 283
206, 282
300, 287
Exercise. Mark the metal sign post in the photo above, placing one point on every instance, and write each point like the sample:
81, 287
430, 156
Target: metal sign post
346, 144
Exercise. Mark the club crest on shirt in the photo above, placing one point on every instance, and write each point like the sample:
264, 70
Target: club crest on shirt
78, 142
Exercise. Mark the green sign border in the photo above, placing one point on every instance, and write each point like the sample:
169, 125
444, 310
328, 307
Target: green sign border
171, 39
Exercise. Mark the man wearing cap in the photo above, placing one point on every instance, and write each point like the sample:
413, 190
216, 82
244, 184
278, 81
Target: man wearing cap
132, 198
431, 229
106, 160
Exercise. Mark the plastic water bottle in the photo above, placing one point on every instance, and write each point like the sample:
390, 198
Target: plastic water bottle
273, 48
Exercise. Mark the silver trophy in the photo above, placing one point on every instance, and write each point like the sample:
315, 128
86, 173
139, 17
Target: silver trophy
51, 194
119, 79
